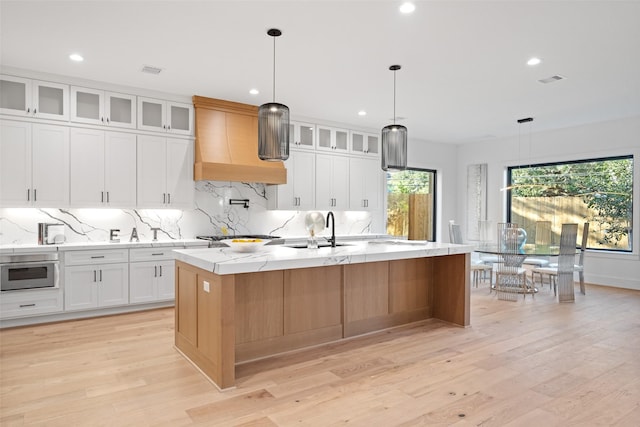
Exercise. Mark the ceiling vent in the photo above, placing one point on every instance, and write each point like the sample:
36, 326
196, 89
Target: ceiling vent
151, 70
552, 79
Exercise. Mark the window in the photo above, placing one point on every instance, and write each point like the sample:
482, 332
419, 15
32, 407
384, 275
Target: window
598, 191
411, 204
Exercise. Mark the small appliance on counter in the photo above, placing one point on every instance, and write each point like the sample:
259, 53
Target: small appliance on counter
50, 233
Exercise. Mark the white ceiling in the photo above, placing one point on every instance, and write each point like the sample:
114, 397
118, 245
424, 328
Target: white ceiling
464, 75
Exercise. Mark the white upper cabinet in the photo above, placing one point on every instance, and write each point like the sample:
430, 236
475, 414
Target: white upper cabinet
34, 165
99, 107
332, 178
165, 172
367, 144
103, 168
302, 135
334, 139
34, 98
298, 192
165, 116
365, 184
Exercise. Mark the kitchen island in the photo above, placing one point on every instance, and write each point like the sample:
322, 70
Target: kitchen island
235, 307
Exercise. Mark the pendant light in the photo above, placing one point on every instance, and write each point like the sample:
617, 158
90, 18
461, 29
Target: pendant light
273, 121
394, 138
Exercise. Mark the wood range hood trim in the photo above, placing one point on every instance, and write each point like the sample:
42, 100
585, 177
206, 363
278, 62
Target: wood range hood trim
226, 146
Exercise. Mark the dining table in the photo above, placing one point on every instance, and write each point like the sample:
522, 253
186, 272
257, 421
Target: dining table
510, 261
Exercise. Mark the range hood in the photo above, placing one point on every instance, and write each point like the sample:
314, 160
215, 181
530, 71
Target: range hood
226, 147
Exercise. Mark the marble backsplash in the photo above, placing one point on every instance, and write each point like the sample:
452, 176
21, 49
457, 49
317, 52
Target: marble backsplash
212, 215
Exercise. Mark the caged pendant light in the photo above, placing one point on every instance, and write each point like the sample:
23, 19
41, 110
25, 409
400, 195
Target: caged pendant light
394, 138
273, 121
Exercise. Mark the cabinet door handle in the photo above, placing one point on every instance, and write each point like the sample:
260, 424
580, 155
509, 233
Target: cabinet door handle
35, 111
168, 198
107, 197
102, 197
168, 127
95, 276
160, 271
101, 275
97, 257
28, 110
164, 197
158, 254
27, 305
28, 194
155, 271
35, 195
102, 119
107, 120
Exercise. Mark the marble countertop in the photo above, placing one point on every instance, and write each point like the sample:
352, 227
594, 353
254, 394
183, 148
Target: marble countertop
79, 246
282, 257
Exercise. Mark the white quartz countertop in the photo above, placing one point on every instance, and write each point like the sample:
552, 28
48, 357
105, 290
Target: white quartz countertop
79, 246
281, 257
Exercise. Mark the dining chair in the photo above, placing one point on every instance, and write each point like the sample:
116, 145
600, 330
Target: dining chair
552, 270
479, 269
542, 238
511, 278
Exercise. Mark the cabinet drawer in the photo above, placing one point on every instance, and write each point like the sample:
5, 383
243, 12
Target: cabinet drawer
30, 303
96, 257
152, 254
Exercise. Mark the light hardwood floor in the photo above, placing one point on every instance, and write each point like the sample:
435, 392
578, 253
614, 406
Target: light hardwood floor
533, 362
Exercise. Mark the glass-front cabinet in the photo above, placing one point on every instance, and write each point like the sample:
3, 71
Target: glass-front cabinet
99, 107
332, 139
302, 135
165, 116
34, 98
365, 143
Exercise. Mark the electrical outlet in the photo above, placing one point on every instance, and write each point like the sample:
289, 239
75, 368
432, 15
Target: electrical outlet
205, 286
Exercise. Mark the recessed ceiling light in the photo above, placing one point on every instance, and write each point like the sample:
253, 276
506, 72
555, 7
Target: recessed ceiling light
362, 113
76, 57
254, 91
534, 61
407, 7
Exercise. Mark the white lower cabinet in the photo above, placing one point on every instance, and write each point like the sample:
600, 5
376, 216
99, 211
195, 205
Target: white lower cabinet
151, 275
30, 302
95, 279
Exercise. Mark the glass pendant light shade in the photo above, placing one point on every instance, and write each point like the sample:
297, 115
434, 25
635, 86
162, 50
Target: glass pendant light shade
394, 147
394, 138
273, 121
273, 132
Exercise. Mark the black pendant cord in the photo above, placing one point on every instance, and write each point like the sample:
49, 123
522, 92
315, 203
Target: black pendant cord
274, 69
394, 97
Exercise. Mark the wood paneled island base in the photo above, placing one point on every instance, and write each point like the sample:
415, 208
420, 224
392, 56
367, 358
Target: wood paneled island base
222, 320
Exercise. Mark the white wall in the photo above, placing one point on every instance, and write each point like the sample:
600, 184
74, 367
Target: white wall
442, 159
619, 137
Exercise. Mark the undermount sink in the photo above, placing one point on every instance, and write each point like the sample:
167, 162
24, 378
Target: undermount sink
320, 245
